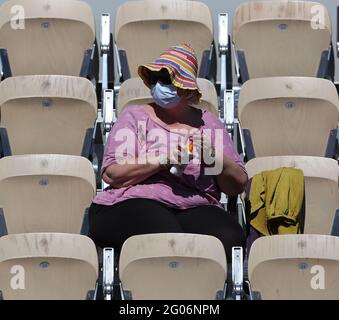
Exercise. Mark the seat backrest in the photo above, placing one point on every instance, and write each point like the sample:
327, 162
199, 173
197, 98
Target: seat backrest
289, 115
46, 37
45, 193
321, 187
170, 22
282, 38
47, 266
133, 91
173, 266
295, 267
47, 114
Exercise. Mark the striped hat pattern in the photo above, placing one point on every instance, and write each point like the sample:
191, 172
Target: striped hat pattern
182, 65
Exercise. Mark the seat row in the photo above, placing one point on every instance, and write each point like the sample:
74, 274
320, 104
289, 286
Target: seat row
44, 228
263, 33
45, 86
66, 30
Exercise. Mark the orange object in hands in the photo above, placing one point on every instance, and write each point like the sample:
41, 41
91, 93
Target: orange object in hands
190, 146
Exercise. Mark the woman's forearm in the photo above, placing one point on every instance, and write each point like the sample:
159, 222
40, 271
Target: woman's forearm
233, 179
118, 175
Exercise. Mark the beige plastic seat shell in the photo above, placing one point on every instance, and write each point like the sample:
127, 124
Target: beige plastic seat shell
170, 22
295, 267
282, 38
54, 39
45, 193
48, 266
47, 113
134, 92
321, 187
289, 115
173, 267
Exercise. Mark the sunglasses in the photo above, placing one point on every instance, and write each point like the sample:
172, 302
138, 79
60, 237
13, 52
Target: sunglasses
162, 76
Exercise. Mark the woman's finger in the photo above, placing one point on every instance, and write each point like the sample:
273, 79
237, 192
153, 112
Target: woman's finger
176, 157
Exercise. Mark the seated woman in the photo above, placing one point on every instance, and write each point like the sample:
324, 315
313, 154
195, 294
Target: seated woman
167, 163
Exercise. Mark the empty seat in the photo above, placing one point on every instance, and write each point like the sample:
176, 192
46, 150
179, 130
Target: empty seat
289, 116
170, 22
282, 38
45, 193
295, 267
133, 91
46, 37
45, 114
173, 266
321, 187
46, 266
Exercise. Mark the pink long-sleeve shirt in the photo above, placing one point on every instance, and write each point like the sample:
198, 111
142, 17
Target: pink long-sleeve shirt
137, 133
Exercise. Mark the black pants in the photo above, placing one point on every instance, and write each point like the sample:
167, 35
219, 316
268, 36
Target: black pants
110, 226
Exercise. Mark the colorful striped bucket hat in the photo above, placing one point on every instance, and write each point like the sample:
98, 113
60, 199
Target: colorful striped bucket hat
182, 65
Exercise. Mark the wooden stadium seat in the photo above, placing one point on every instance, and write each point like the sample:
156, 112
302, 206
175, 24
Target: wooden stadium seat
144, 29
289, 116
55, 37
45, 193
133, 91
295, 267
321, 187
47, 266
46, 114
173, 267
282, 38
300, 267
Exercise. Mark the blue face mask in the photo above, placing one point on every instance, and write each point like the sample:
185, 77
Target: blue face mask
165, 95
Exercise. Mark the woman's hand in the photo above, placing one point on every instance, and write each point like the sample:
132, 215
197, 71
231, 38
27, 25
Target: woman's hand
205, 150
124, 175
177, 156
230, 177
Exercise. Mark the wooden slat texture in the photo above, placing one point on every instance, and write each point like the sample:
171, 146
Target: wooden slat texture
171, 23
55, 36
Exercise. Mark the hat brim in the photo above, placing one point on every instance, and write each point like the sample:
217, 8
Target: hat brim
185, 83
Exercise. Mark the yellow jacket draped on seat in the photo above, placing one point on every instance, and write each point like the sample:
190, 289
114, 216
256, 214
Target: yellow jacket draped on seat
276, 198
